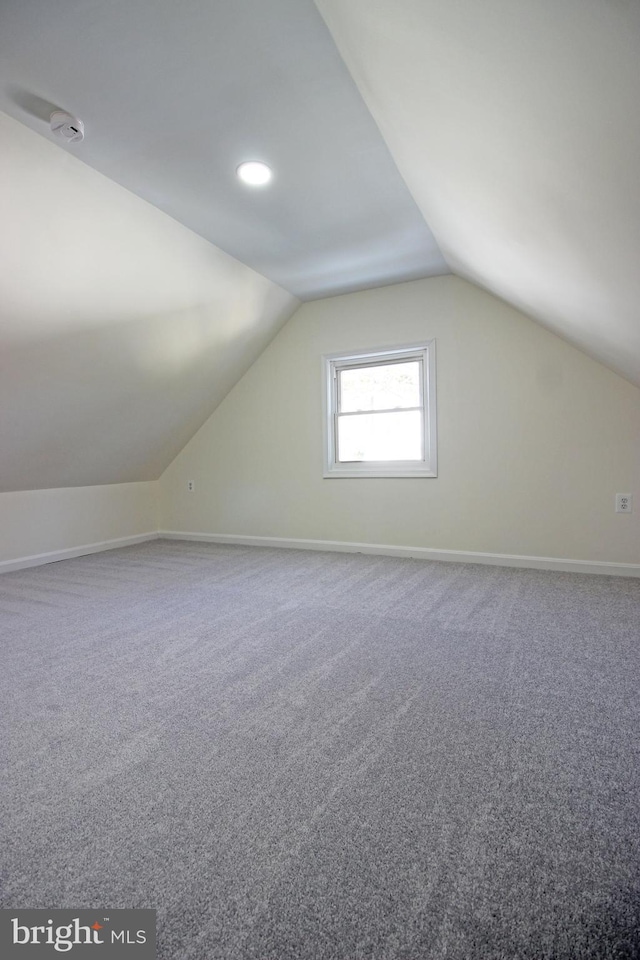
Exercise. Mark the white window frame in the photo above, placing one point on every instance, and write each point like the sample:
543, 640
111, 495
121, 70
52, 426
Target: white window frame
425, 353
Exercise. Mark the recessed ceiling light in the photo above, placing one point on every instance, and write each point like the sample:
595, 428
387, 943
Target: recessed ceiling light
254, 172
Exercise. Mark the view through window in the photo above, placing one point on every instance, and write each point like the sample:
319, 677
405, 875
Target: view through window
381, 413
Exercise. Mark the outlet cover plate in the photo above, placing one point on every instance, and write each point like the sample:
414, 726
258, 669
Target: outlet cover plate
624, 503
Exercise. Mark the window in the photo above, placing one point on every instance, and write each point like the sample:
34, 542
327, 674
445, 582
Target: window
380, 413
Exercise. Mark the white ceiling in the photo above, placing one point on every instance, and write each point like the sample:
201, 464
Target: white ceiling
175, 95
511, 127
516, 125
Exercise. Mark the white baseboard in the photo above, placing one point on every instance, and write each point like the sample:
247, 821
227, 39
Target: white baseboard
21, 563
417, 553
336, 546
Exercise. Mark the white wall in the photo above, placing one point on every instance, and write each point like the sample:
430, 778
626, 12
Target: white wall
34, 522
535, 438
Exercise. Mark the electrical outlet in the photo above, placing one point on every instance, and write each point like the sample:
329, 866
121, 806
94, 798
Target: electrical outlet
190, 486
624, 503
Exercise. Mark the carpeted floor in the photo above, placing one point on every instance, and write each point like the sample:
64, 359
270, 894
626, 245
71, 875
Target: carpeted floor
325, 756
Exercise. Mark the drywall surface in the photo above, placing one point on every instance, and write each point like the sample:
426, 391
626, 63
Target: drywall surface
120, 329
33, 522
176, 95
515, 125
535, 438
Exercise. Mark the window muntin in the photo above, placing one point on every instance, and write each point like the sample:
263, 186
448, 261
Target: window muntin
380, 413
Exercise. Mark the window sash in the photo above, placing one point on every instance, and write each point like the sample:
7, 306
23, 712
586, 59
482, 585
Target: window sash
424, 355
366, 364
359, 365
373, 413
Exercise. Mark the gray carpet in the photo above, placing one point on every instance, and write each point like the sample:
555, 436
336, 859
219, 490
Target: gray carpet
305, 755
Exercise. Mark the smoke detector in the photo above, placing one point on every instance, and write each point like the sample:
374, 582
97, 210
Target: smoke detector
68, 128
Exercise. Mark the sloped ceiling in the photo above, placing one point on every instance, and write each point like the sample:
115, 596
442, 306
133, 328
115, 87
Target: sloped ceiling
509, 127
120, 330
516, 126
175, 95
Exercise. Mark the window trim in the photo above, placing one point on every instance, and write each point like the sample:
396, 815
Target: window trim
332, 363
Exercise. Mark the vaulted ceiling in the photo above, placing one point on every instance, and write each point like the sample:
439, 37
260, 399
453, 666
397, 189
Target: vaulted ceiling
175, 95
516, 126
139, 279
120, 330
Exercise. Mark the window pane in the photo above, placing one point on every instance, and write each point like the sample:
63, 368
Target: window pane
380, 436
384, 387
